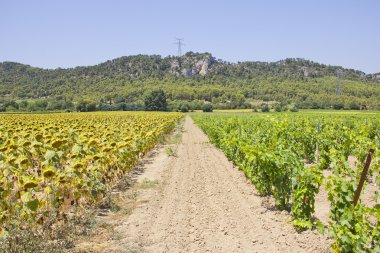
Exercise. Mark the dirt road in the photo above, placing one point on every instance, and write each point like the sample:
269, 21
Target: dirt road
195, 200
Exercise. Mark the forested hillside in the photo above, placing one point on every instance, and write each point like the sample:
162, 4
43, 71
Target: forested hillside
193, 79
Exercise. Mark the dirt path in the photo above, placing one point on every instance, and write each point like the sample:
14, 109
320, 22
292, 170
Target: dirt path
197, 201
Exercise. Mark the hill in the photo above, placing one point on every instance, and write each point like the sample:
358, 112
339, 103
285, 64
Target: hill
194, 78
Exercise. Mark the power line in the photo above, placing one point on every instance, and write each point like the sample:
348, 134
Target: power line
179, 44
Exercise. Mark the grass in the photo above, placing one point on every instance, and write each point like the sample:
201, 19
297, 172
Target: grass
233, 110
322, 111
170, 151
172, 140
306, 111
146, 183
301, 111
34, 112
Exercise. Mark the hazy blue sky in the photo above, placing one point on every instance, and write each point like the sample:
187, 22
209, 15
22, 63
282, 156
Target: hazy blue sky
68, 33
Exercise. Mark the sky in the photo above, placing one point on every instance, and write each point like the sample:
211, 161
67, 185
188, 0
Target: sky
69, 33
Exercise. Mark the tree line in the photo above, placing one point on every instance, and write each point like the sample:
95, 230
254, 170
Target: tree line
124, 83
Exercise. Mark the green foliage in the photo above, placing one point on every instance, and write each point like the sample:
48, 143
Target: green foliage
227, 86
207, 108
277, 152
184, 108
265, 108
278, 107
293, 108
86, 106
156, 101
351, 226
308, 181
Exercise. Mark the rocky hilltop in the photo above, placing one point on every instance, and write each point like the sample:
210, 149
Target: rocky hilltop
192, 64
193, 76
189, 65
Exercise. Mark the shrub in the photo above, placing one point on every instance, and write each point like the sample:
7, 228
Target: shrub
184, 108
278, 108
293, 108
265, 108
207, 108
156, 101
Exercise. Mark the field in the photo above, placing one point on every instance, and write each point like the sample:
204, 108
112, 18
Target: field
53, 165
49, 163
287, 155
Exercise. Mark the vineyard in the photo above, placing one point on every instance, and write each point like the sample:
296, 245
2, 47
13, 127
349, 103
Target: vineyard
286, 155
51, 161
53, 165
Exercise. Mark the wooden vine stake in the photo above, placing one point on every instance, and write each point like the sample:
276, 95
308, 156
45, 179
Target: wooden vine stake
363, 176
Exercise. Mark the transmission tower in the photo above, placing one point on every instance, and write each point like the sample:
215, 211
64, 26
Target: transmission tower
180, 44
338, 82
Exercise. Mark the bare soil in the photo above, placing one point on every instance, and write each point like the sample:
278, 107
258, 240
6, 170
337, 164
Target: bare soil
367, 196
188, 197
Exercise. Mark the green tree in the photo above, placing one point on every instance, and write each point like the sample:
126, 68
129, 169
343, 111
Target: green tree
265, 108
207, 108
91, 107
81, 106
184, 108
293, 108
41, 104
68, 105
23, 105
156, 101
278, 107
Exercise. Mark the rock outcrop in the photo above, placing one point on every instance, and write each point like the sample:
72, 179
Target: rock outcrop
192, 64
